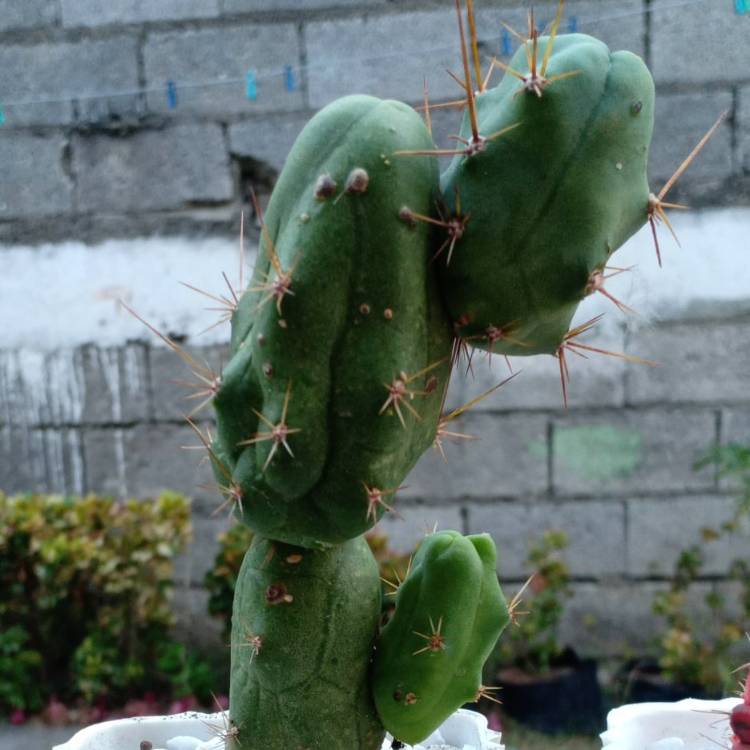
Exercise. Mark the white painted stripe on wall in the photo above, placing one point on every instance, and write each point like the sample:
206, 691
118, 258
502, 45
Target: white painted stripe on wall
60, 296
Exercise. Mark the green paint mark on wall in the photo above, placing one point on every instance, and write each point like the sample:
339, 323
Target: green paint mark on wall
537, 448
598, 452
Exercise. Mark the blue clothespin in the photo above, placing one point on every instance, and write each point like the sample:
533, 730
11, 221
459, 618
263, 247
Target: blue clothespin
171, 95
742, 6
2, 116
289, 80
572, 25
506, 48
251, 87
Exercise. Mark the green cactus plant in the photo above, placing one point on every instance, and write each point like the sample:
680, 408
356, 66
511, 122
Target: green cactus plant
374, 274
449, 613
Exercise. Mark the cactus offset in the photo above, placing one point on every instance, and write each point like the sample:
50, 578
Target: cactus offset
553, 198
449, 614
373, 275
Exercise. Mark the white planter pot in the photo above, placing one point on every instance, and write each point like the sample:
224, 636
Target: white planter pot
686, 725
465, 730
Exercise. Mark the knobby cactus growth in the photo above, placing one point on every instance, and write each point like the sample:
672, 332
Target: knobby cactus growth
375, 275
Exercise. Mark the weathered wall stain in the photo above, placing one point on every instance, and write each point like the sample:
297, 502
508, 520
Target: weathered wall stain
599, 452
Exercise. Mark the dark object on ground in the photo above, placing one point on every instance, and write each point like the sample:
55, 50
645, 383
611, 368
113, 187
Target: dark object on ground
642, 681
565, 699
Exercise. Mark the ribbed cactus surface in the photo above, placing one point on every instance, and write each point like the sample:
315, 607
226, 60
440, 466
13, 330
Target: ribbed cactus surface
552, 198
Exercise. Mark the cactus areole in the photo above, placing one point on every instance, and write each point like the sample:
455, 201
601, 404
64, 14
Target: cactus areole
374, 275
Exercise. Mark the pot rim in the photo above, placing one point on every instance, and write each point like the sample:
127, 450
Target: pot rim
464, 727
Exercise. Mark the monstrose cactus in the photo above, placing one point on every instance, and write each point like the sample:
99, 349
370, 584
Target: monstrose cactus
374, 276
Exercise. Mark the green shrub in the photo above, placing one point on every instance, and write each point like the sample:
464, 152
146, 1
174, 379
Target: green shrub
21, 668
85, 611
532, 645
706, 657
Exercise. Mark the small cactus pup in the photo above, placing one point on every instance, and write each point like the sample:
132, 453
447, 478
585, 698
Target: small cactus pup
340, 349
449, 613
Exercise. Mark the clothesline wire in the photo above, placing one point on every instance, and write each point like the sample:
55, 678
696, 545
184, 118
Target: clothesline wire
270, 74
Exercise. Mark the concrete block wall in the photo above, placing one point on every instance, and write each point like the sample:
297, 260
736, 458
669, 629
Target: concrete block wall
616, 472
83, 90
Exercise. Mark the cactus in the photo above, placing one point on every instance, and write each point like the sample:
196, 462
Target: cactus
374, 274
449, 614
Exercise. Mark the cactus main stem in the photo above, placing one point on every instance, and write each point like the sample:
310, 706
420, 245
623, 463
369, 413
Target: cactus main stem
303, 627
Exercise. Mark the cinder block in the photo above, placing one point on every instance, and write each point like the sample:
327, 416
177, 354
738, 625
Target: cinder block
609, 619
681, 120
65, 69
172, 398
143, 461
508, 460
698, 362
156, 169
733, 596
194, 624
620, 25
267, 140
615, 618
41, 388
742, 128
157, 458
192, 565
114, 384
660, 529
697, 46
41, 460
194, 57
106, 451
70, 386
234, 7
93, 13
38, 186
632, 451
736, 426
411, 522
596, 534
594, 382
383, 56
735, 429
27, 14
